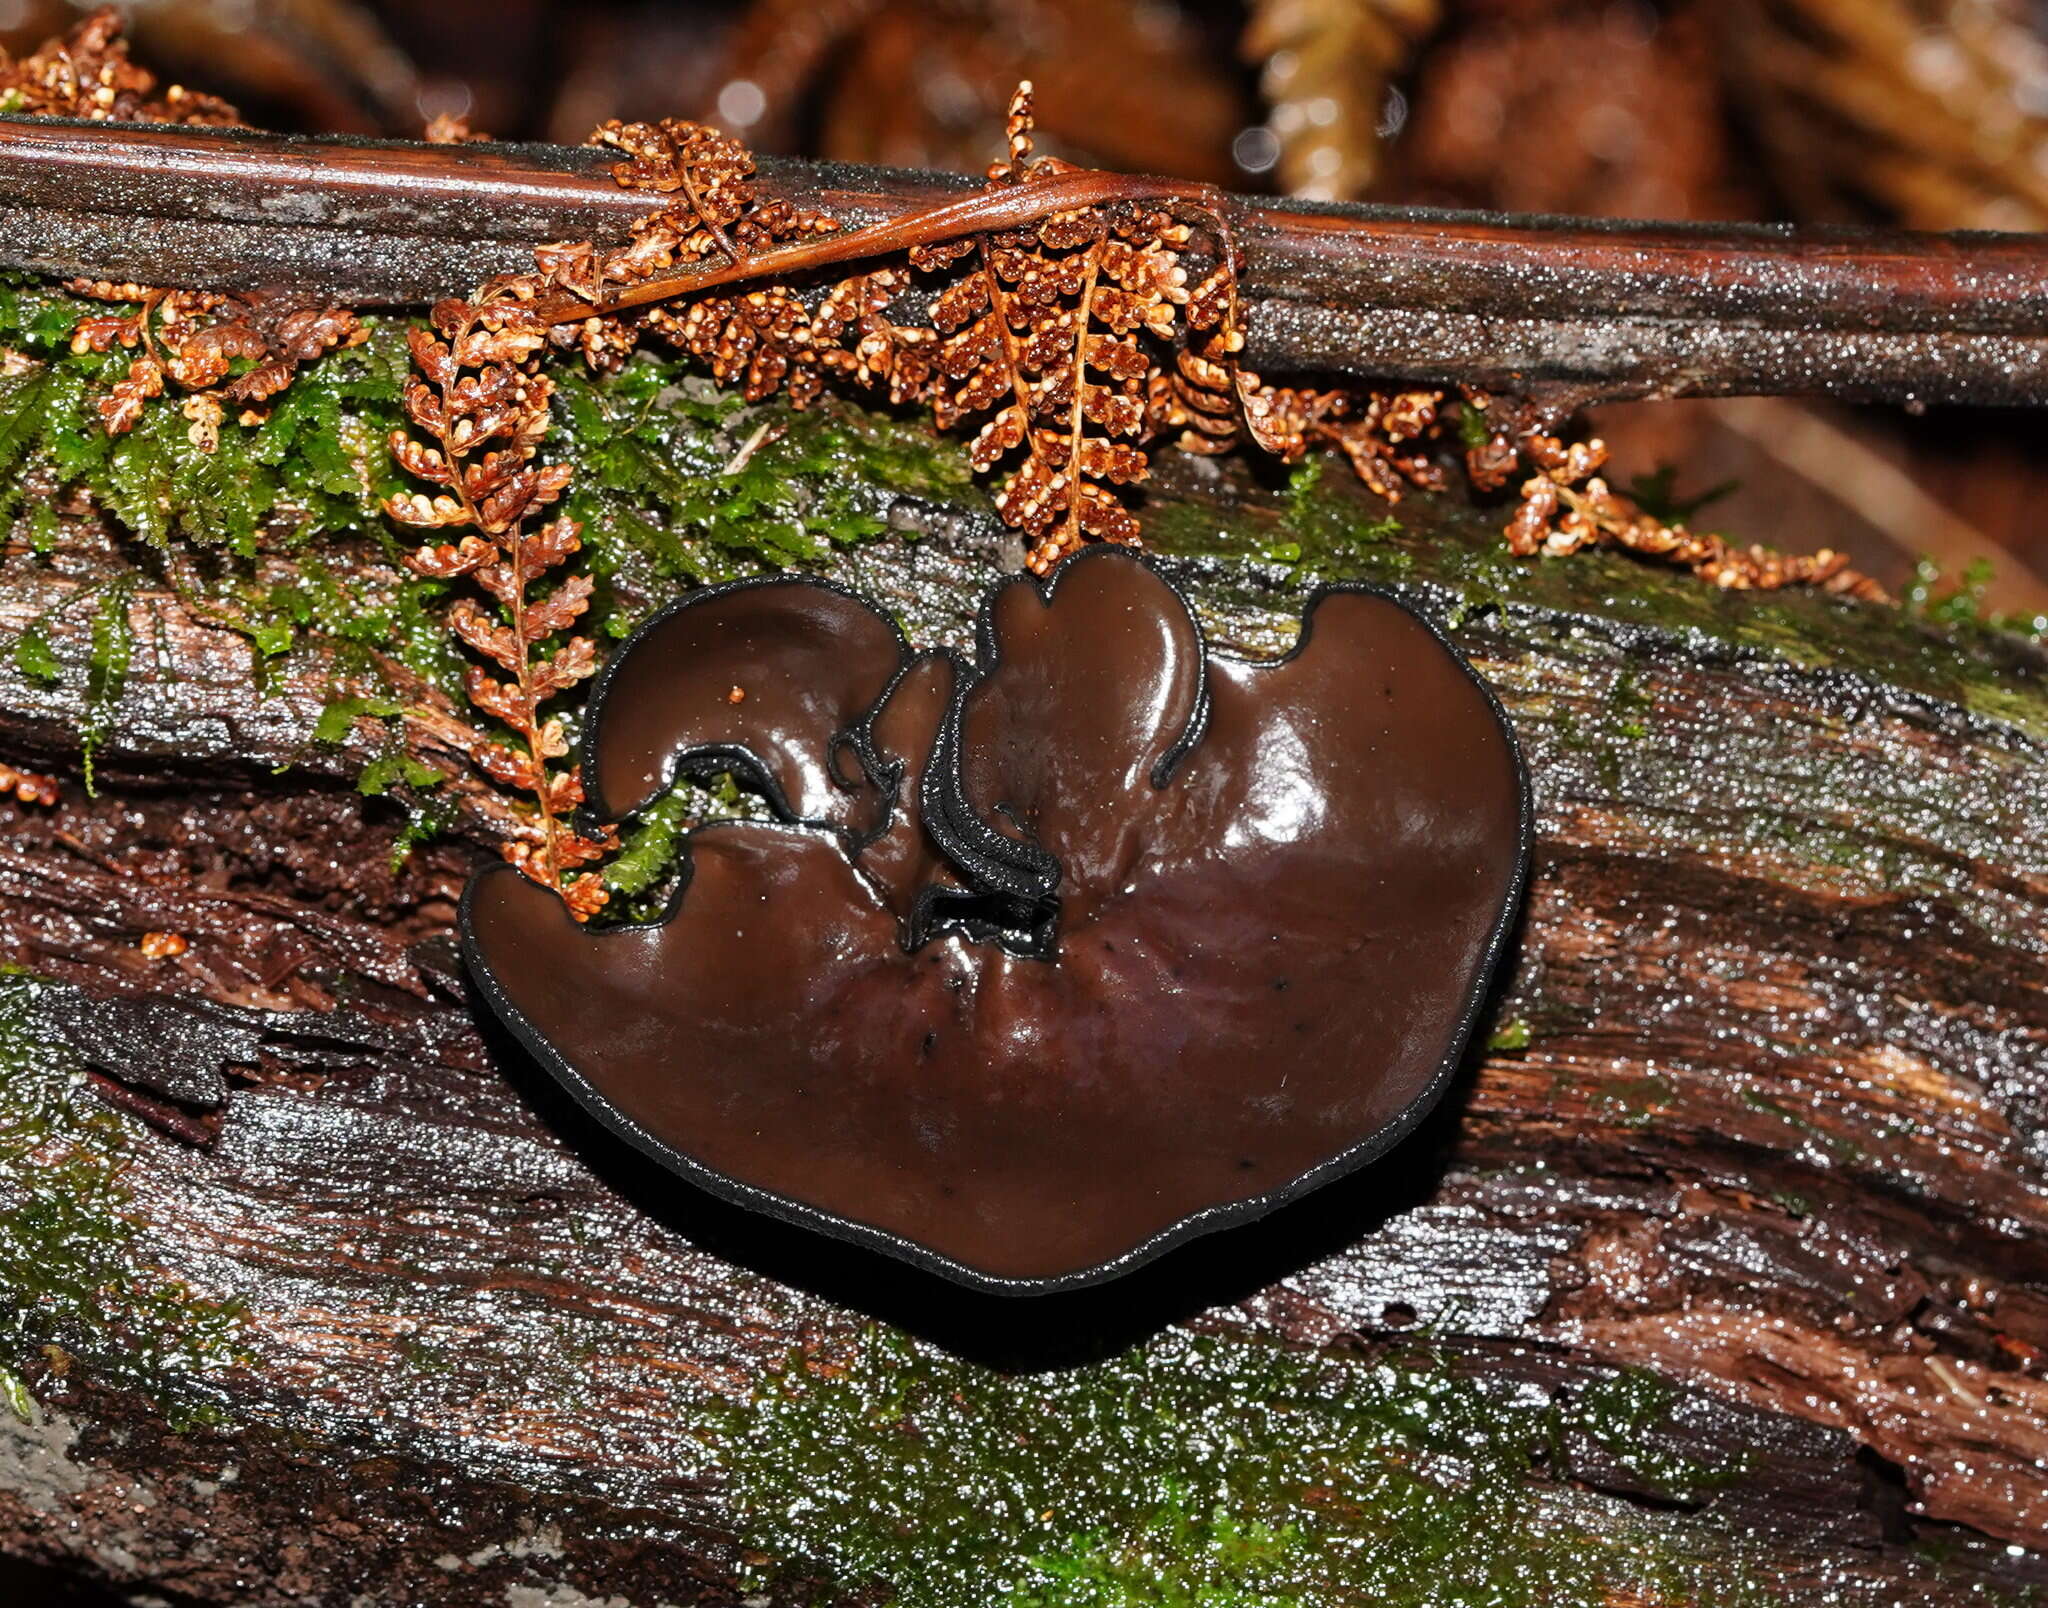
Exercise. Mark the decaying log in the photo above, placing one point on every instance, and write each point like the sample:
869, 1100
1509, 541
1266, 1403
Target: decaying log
1598, 310
1764, 1120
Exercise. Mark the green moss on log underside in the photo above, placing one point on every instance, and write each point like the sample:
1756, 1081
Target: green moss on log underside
1205, 1470
73, 1274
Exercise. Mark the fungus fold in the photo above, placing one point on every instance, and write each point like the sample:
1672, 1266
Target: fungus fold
1052, 957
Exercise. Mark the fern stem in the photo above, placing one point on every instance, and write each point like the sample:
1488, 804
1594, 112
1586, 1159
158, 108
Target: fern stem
522, 670
986, 212
999, 307
1084, 314
529, 707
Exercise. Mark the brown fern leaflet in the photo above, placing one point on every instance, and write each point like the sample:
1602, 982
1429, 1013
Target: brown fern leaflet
1046, 329
1040, 339
1063, 331
179, 342
479, 407
188, 339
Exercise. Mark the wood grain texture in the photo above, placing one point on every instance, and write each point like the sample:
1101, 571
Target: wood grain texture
1766, 1116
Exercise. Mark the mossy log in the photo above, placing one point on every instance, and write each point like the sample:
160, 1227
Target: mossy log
1722, 1276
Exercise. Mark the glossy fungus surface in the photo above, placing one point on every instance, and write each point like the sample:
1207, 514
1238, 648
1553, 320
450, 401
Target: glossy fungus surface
1054, 956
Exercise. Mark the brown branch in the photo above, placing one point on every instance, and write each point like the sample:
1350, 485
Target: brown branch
1602, 310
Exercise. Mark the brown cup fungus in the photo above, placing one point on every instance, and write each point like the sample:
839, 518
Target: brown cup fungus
1053, 958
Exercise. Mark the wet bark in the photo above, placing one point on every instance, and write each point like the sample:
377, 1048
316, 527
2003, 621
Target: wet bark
1766, 1114
1589, 309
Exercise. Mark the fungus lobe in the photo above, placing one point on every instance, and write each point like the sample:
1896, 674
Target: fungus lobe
1054, 956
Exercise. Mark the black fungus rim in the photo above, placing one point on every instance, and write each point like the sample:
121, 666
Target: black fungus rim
723, 756
1209, 1219
998, 861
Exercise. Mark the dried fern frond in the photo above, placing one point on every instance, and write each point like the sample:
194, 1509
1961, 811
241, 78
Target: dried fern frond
479, 409
186, 339
87, 74
1565, 506
760, 340
1060, 328
1045, 340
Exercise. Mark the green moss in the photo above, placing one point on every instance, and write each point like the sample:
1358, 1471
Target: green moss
1451, 554
111, 656
650, 845
73, 1271
1623, 1415
1578, 737
676, 484
1628, 707
1840, 1148
641, 877
15, 1393
33, 655
308, 469
1513, 1034
1656, 494
680, 482
1472, 427
1202, 1470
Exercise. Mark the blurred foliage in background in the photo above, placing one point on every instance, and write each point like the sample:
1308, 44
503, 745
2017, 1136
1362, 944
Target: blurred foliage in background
1930, 113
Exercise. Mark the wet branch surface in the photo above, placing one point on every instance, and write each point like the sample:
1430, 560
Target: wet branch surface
1590, 310
1764, 1116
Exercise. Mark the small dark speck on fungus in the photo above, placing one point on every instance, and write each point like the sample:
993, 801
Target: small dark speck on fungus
1018, 925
